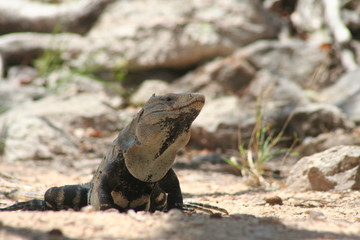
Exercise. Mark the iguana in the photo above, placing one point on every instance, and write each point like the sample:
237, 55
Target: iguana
136, 171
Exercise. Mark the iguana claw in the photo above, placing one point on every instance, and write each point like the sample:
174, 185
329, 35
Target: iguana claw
207, 208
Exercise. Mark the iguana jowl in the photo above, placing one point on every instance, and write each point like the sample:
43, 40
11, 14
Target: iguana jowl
136, 172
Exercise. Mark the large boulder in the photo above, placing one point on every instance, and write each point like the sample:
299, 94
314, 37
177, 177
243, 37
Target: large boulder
170, 34
222, 118
13, 94
37, 138
83, 110
230, 75
219, 122
336, 168
49, 128
296, 60
235, 73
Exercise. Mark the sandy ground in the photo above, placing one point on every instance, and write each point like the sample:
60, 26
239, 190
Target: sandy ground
303, 215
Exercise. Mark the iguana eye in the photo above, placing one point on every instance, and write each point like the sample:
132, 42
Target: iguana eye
168, 99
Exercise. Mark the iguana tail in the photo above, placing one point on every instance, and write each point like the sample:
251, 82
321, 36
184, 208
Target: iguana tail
56, 198
32, 205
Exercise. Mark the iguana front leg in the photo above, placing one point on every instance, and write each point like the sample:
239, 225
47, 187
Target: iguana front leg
171, 185
106, 201
115, 187
103, 190
167, 193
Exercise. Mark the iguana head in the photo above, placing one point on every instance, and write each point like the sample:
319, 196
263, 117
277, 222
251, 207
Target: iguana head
160, 129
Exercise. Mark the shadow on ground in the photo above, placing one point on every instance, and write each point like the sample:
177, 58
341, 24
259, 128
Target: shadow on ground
240, 226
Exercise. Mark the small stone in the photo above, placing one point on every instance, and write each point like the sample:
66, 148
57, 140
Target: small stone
55, 232
276, 200
315, 215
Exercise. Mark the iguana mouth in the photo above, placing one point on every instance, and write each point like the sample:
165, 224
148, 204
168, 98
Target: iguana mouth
191, 102
200, 99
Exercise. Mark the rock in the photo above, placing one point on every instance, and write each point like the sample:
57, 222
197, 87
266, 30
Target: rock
233, 74
147, 89
24, 93
22, 75
336, 168
229, 75
345, 93
170, 34
309, 20
312, 145
295, 60
36, 138
51, 126
80, 111
65, 81
352, 108
275, 200
279, 95
314, 119
221, 119
308, 16
346, 87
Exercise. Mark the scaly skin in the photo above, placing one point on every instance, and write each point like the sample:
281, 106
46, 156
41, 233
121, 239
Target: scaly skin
136, 171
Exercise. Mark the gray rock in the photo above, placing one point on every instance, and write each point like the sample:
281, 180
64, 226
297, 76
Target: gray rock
12, 94
229, 75
293, 59
221, 119
51, 126
65, 81
171, 34
352, 108
308, 15
218, 123
314, 119
148, 88
83, 110
233, 74
345, 93
279, 95
346, 87
22, 75
36, 138
312, 145
336, 168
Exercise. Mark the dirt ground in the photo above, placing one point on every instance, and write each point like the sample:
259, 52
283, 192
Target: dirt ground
303, 215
